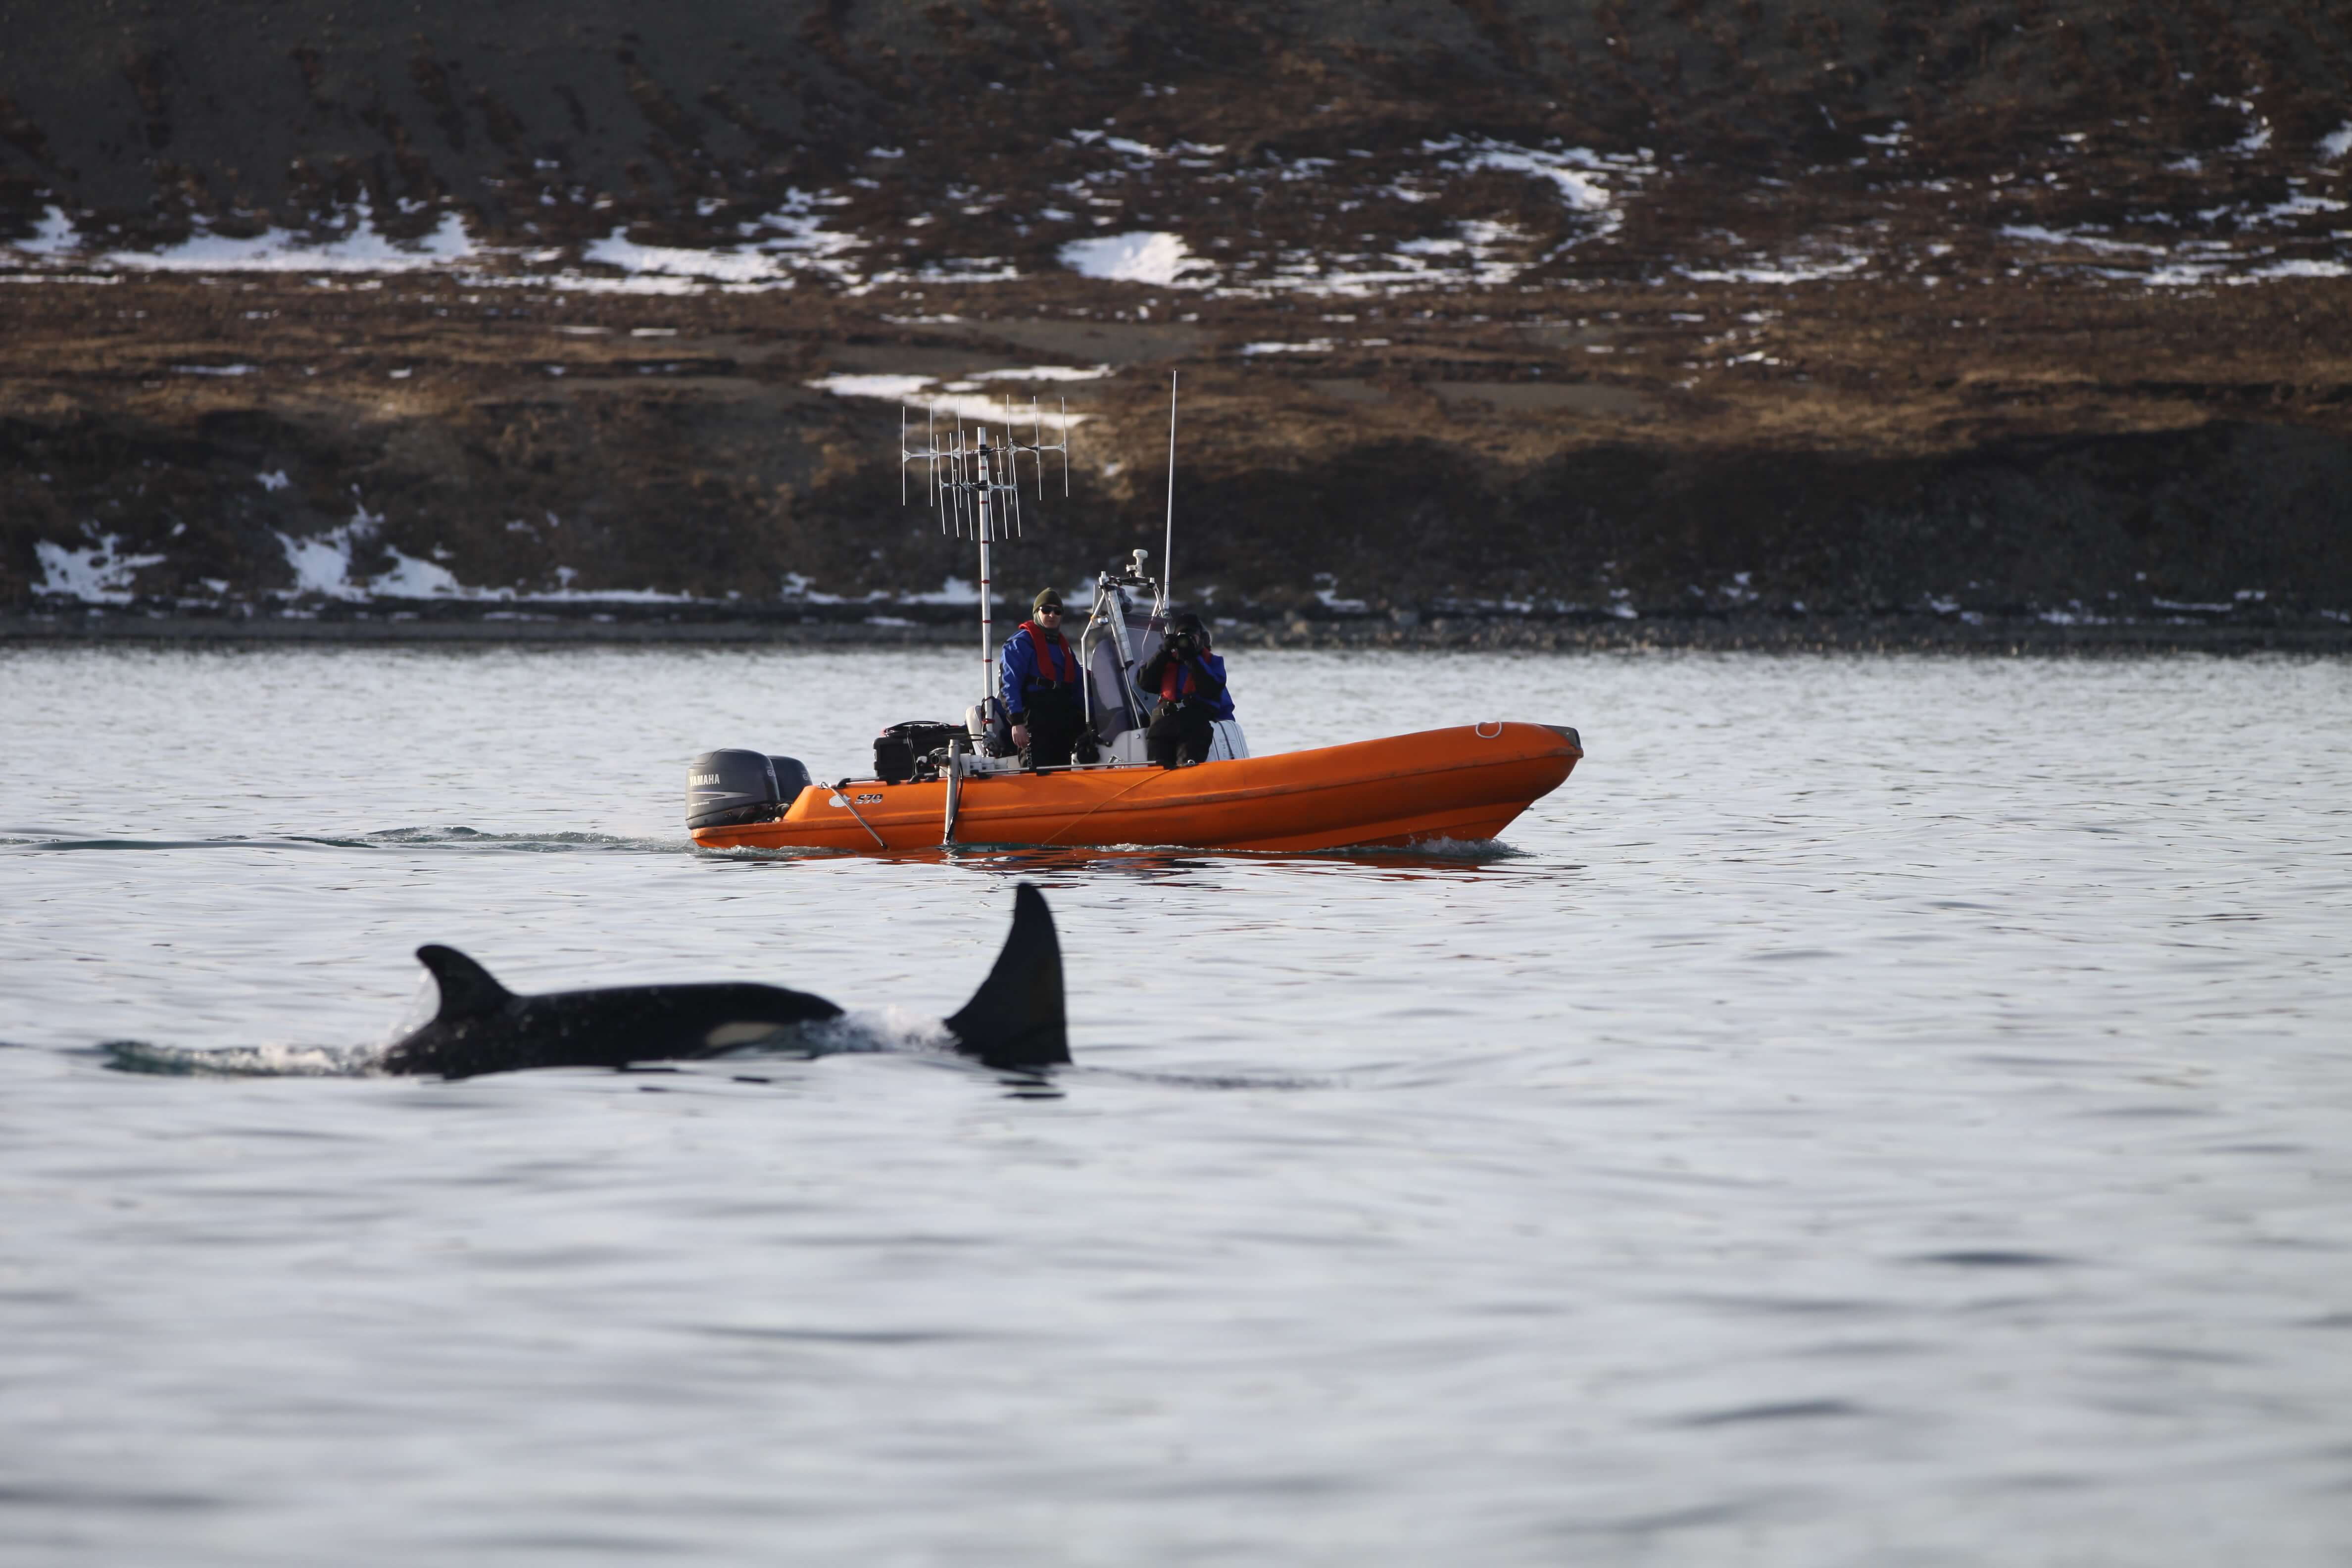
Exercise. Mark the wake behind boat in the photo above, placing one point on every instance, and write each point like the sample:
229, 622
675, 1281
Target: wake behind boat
936, 783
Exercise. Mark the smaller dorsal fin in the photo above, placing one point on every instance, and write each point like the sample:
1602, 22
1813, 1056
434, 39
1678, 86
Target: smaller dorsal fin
466, 988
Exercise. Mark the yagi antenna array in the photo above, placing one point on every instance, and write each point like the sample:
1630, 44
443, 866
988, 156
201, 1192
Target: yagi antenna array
975, 482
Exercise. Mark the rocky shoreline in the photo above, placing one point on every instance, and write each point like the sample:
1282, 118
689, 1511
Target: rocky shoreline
788, 626
2078, 452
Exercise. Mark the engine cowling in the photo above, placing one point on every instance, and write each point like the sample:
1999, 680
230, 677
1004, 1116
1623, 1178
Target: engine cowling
724, 789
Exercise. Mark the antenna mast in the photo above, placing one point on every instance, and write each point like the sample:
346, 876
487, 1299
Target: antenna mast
1168, 545
975, 486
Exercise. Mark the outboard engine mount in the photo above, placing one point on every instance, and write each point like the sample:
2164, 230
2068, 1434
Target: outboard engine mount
724, 789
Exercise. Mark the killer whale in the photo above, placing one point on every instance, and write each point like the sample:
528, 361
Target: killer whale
1015, 1021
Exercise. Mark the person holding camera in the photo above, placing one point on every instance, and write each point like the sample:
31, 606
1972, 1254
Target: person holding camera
1039, 682
1191, 680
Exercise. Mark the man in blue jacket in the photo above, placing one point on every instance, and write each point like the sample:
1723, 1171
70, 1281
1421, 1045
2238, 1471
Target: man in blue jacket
1191, 680
1037, 676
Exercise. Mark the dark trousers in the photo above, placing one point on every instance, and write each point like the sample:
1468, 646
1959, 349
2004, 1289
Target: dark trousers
1178, 729
1056, 722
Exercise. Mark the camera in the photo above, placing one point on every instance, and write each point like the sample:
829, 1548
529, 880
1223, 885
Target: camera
1183, 644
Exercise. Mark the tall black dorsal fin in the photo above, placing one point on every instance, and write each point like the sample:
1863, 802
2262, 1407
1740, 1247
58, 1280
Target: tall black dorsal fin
1014, 1019
466, 988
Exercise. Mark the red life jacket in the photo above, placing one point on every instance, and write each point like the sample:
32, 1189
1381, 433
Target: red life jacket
1175, 680
1057, 659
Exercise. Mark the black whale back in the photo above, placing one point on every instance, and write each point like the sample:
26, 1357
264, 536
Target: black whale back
1015, 1021
483, 1027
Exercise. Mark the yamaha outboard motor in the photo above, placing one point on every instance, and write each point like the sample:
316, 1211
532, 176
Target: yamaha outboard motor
792, 777
726, 789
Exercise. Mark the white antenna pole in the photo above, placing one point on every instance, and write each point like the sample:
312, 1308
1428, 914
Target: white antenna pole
1168, 545
987, 622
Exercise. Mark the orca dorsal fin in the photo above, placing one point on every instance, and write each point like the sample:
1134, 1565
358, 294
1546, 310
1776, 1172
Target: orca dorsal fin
466, 988
1014, 1019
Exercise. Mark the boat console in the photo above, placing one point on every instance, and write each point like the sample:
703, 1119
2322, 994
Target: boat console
1123, 632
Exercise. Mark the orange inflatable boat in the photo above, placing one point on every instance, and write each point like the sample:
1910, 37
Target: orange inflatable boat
941, 783
1468, 783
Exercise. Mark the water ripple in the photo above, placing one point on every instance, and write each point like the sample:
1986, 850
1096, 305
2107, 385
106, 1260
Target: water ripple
1878, 1109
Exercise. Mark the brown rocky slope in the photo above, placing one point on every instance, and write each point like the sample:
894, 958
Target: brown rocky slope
1942, 311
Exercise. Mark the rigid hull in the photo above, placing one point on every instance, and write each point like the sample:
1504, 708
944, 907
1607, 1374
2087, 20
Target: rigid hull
1466, 783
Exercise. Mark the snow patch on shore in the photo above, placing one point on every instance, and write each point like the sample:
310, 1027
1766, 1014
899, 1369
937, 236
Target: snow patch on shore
2258, 126
98, 574
2034, 234
2295, 268
1781, 269
797, 232
54, 236
795, 236
672, 261
323, 567
900, 388
928, 393
322, 563
953, 269
1476, 256
1044, 373
790, 239
1577, 173
364, 249
1327, 592
952, 591
649, 283
1156, 258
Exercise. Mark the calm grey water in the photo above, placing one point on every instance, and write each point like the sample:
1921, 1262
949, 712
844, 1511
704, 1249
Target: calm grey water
1879, 1111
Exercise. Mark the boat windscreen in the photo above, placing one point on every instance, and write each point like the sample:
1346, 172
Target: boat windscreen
1114, 714
1143, 641
1115, 710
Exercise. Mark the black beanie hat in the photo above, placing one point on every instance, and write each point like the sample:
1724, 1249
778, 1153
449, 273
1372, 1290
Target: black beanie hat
1045, 596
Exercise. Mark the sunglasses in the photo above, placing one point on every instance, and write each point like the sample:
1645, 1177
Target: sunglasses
1051, 610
